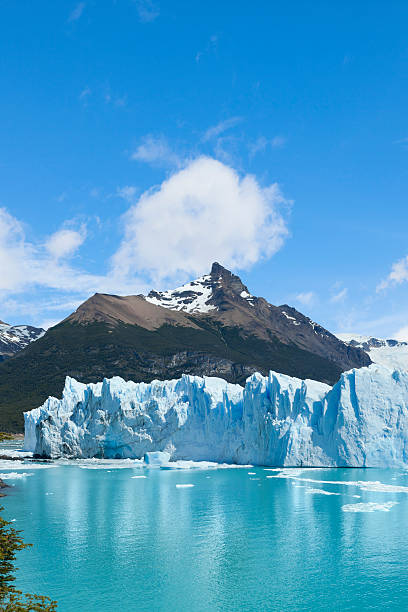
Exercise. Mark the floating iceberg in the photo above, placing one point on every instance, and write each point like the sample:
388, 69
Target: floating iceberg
275, 420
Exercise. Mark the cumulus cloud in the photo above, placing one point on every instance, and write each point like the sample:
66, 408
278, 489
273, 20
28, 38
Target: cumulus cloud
397, 276
155, 150
202, 213
25, 265
65, 242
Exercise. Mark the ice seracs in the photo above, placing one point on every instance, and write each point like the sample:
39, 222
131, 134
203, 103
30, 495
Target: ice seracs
275, 420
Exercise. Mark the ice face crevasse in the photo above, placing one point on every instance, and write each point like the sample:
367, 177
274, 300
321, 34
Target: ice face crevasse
275, 420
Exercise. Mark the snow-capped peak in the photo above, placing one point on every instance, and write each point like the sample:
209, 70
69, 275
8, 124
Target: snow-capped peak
14, 338
193, 297
203, 294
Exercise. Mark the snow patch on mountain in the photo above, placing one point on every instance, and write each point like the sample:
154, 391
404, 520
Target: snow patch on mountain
291, 319
276, 420
192, 297
389, 353
14, 338
248, 297
202, 295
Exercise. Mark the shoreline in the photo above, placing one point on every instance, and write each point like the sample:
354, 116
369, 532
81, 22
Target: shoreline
3, 485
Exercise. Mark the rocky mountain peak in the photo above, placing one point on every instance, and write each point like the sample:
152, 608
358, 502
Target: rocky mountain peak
14, 338
221, 276
207, 293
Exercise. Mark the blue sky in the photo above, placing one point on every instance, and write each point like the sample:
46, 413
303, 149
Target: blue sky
140, 141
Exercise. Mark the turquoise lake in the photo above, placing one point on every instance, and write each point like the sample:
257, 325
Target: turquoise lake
103, 540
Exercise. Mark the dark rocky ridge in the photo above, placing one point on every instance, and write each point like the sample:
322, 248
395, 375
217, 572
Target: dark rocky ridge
370, 343
236, 335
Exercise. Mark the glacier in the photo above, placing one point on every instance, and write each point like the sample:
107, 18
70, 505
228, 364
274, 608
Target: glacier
275, 420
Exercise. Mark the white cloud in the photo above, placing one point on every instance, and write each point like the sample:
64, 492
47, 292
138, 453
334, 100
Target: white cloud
220, 128
357, 320
84, 95
258, 145
402, 141
402, 334
36, 306
114, 99
128, 193
25, 265
278, 141
65, 242
262, 143
210, 47
202, 213
62, 197
340, 296
47, 323
147, 10
77, 12
155, 151
397, 276
306, 298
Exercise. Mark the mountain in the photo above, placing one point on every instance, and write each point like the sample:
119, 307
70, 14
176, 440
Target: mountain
276, 420
210, 327
390, 353
14, 338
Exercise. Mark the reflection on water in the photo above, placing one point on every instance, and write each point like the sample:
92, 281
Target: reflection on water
104, 540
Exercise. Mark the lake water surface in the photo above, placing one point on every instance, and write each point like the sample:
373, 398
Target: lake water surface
239, 539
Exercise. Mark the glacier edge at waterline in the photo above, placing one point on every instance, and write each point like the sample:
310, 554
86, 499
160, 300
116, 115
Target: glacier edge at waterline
276, 420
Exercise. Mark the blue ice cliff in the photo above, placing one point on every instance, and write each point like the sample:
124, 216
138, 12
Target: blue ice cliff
276, 420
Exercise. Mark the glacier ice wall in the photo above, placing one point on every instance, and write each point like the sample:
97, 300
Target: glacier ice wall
275, 420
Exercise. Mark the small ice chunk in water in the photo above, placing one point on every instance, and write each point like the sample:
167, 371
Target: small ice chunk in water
133, 477
369, 507
321, 492
14, 475
157, 458
184, 486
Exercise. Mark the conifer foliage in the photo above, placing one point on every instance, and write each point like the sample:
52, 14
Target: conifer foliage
11, 599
